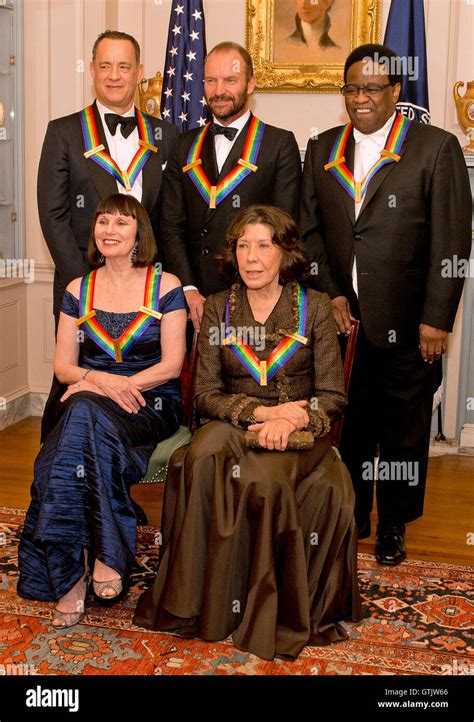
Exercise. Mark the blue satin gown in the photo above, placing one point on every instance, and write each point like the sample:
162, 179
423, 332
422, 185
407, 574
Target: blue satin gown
84, 470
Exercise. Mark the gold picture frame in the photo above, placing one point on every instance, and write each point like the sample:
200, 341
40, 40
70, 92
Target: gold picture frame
284, 65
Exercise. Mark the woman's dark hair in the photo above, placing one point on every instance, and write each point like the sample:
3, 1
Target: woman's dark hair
294, 263
126, 205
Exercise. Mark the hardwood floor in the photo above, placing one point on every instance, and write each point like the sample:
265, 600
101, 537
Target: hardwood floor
442, 534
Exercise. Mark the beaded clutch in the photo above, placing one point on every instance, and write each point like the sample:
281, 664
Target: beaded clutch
296, 440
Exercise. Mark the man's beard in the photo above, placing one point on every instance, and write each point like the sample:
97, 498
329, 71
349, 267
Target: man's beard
238, 104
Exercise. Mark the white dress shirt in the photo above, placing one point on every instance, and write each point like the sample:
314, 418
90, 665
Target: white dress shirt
222, 144
122, 150
366, 152
223, 147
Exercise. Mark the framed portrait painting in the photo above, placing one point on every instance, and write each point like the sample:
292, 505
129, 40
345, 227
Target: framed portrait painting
299, 46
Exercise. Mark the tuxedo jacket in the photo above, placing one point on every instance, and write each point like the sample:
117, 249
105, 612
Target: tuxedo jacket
191, 233
70, 187
415, 214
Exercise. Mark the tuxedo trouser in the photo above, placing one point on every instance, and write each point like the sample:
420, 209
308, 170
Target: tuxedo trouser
50, 416
389, 409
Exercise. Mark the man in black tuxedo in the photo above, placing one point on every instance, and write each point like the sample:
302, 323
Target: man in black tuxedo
70, 185
381, 249
194, 224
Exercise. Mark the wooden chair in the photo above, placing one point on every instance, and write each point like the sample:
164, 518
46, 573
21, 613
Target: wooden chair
336, 431
159, 460
158, 463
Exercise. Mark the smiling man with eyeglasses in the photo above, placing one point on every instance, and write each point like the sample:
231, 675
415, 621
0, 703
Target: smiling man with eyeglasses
384, 202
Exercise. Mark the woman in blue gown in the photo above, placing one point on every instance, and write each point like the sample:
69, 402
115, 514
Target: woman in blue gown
119, 352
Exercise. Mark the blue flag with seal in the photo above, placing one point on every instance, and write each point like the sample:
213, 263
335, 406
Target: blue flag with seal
405, 34
182, 98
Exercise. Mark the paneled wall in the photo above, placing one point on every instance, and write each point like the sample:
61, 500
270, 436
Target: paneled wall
58, 38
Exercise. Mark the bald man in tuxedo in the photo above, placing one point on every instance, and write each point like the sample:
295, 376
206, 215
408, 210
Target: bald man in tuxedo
197, 209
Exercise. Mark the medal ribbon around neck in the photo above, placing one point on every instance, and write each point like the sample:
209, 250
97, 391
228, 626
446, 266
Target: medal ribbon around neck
264, 371
96, 151
389, 154
213, 195
117, 348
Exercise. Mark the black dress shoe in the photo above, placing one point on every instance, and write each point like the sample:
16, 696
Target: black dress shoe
390, 549
363, 528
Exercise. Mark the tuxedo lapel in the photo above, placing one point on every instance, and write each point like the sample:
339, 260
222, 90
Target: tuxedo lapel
105, 183
346, 198
151, 178
235, 151
377, 180
229, 163
379, 177
209, 164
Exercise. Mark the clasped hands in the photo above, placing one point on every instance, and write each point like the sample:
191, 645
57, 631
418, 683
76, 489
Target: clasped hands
275, 423
120, 389
433, 341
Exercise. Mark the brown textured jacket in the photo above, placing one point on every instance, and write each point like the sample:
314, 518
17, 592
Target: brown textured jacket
225, 390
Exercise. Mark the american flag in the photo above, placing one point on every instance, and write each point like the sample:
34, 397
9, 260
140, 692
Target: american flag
182, 99
405, 34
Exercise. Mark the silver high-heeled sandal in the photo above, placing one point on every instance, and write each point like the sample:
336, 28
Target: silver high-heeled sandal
69, 619
116, 585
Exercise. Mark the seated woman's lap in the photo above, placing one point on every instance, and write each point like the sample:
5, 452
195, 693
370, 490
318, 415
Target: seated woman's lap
87, 405
268, 467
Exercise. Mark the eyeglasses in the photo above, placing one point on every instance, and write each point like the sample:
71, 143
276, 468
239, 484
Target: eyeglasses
372, 89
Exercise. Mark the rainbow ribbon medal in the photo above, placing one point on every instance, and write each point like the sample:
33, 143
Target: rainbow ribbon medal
96, 151
389, 154
118, 347
213, 195
264, 371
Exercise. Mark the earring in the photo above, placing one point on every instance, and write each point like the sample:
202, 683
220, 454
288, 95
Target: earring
134, 254
99, 256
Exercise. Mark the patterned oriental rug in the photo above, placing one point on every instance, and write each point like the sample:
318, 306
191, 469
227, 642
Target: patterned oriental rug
419, 620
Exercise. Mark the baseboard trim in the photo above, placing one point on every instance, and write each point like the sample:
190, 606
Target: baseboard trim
20, 406
467, 436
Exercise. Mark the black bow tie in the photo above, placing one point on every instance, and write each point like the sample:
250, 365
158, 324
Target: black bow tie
217, 129
127, 123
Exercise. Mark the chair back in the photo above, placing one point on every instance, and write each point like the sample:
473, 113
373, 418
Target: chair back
149, 94
187, 381
336, 431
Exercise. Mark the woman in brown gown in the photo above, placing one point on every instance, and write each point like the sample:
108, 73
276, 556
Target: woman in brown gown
259, 538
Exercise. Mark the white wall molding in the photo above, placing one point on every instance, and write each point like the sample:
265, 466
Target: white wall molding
452, 64
467, 436
44, 273
11, 283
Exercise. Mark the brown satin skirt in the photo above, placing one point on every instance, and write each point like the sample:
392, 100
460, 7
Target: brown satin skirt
260, 545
